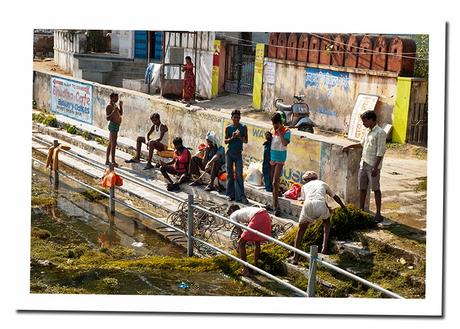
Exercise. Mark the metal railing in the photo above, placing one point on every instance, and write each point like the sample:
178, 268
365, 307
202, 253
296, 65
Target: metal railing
312, 256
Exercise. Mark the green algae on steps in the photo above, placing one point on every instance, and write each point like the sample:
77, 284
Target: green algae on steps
49, 120
121, 258
343, 224
109, 270
383, 270
92, 195
41, 197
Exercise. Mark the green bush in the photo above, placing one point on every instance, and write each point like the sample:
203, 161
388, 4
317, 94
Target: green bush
71, 129
49, 120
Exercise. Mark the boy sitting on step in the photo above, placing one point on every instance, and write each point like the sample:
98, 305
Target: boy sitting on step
179, 165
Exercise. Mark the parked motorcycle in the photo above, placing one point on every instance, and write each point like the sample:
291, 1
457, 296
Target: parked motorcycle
296, 115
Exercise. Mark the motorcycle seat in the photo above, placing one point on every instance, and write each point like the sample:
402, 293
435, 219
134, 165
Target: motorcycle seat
284, 107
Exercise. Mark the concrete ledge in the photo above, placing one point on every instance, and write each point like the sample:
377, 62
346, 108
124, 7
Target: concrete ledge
289, 208
306, 151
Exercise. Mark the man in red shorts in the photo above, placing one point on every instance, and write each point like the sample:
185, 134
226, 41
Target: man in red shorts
255, 218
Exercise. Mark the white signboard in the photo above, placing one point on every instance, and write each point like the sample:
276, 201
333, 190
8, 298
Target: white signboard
364, 102
72, 99
269, 70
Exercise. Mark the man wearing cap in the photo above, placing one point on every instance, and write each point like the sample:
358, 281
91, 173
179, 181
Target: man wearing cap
212, 162
314, 208
373, 145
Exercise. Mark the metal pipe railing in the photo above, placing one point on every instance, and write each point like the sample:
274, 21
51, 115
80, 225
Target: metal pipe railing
239, 260
269, 238
189, 234
123, 173
302, 253
303, 293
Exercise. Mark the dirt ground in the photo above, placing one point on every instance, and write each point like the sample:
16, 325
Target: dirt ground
49, 65
403, 185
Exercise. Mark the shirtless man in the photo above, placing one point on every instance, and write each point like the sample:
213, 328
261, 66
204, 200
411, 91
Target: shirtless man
158, 141
113, 115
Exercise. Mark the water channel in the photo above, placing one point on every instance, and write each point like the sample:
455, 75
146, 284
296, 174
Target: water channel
74, 221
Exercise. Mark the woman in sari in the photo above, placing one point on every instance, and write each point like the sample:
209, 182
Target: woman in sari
188, 91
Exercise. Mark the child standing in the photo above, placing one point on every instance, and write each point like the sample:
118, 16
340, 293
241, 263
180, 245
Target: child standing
235, 135
278, 154
266, 170
113, 115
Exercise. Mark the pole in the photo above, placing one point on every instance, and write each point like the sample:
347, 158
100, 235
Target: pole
112, 194
312, 271
190, 225
56, 172
148, 58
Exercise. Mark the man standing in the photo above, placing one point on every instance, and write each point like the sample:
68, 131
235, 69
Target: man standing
235, 135
113, 115
314, 208
373, 144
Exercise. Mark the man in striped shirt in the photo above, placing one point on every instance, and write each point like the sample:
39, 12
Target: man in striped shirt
373, 144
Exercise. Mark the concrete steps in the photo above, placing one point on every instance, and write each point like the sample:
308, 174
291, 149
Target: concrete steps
256, 195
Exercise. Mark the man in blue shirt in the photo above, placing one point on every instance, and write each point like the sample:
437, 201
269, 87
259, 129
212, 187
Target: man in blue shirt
235, 135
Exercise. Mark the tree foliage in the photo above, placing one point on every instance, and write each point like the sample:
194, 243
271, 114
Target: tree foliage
421, 63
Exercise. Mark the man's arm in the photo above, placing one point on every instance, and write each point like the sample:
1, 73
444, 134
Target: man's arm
339, 201
352, 146
215, 158
147, 137
109, 110
245, 138
284, 140
381, 140
228, 138
121, 107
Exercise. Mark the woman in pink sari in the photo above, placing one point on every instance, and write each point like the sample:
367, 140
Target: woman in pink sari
188, 91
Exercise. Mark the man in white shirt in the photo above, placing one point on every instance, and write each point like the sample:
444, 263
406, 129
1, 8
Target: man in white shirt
373, 144
255, 218
314, 208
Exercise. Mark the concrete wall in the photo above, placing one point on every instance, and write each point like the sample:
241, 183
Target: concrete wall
66, 44
306, 151
330, 94
122, 43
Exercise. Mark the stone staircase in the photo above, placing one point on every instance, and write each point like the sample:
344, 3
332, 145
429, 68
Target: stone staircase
108, 70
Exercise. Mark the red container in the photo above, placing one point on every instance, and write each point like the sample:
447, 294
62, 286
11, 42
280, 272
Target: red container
366, 48
282, 43
352, 50
379, 58
338, 54
302, 44
292, 47
398, 48
326, 46
273, 42
313, 49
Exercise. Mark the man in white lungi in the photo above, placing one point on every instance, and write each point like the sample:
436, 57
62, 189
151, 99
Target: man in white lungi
314, 208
